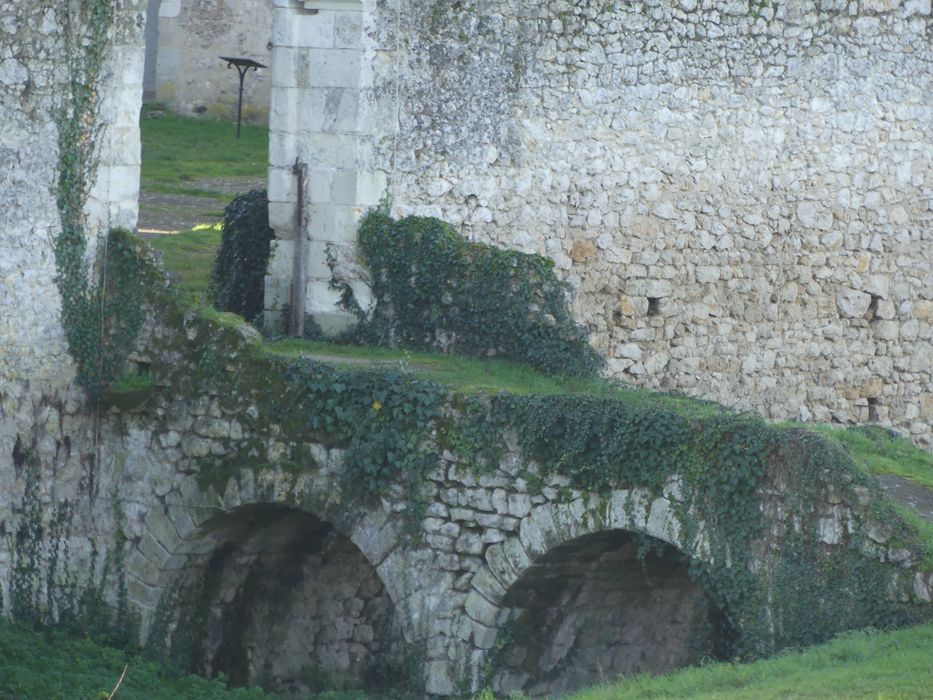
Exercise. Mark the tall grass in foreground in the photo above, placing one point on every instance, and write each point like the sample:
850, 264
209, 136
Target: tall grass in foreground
866, 664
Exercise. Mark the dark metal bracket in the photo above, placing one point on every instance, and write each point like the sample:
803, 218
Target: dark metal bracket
242, 66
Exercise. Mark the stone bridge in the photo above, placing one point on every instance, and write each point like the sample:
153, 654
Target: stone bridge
247, 553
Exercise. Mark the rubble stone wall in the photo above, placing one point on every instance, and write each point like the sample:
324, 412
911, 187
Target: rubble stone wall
41, 412
737, 192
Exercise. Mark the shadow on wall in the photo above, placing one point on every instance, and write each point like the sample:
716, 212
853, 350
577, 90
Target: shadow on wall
276, 597
597, 608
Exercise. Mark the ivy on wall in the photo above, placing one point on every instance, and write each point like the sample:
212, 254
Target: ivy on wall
240, 266
100, 318
436, 290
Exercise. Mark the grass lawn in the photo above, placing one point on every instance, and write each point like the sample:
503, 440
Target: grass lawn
177, 151
864, 664
189, 256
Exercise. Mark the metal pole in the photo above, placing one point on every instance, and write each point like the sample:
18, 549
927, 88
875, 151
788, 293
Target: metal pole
296, 320
239, 104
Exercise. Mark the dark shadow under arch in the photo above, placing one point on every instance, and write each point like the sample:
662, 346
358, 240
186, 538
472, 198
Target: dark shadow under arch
598, 607
277, 597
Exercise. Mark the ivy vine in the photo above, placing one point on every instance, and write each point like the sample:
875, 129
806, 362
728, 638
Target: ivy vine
436, 290
100, 319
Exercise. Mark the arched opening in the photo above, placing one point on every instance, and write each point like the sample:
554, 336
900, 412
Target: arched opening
601, 606
276, 597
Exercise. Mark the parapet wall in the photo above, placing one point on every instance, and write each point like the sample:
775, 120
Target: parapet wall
738, 193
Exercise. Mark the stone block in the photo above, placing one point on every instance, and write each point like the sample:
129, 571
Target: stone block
538, 532
330, 110
330, 151
283, 110
321, 222
346, 224
344, 187
663, 522
438, 679
500, 566
319, 187
316, 265
283, 147
282, 185
333, 68
371, 188
169, 8
481, 610
852, 303
348, 30
282, 219
285, 67
314, 31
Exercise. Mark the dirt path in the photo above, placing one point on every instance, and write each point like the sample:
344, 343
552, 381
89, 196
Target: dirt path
161, 213
914, 496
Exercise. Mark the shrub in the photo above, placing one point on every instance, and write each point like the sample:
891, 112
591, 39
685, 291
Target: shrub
240, 266
436, 290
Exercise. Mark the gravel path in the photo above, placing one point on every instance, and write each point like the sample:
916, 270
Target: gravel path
161, 213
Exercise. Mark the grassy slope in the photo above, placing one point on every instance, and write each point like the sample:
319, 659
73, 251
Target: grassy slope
179, 150
52, 666
864, 664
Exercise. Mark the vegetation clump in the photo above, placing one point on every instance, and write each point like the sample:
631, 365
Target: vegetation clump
436, 290
237, 280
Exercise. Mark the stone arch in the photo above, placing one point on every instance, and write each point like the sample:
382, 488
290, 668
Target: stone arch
271, 594
591, 589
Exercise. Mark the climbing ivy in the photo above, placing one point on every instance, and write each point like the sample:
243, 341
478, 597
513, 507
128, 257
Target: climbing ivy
100, 319
381, 418
436, 290
240, 266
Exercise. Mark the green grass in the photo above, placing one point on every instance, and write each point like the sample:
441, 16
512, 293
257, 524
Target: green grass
884, 453
470, 375
189, 256
177, 151
53, 666
865, 664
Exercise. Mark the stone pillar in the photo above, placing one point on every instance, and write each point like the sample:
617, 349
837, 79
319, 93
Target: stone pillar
318, 74
114, 199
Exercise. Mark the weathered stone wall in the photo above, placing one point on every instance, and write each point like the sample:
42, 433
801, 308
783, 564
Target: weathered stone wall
189, 75
737, 192
41, 412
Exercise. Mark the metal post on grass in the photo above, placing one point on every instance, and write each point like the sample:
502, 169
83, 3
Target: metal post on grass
242, 66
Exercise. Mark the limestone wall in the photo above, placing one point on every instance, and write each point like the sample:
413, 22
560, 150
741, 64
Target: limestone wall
737, 192
41, 413
191, 78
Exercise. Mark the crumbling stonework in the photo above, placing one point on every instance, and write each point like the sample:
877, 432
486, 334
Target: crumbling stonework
738, 193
